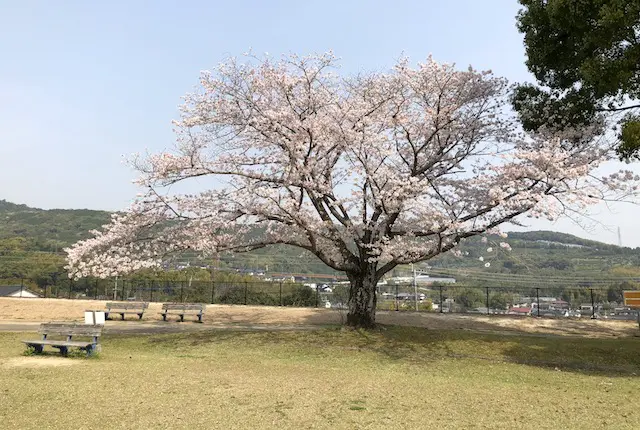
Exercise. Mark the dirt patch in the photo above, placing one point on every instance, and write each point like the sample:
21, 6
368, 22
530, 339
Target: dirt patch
37, 362
46, 309
39, 310
36, 309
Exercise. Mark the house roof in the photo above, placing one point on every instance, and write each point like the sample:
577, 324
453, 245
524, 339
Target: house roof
7, 290
521, 309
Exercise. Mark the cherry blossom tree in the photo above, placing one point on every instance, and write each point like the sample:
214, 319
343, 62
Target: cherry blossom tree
366, 172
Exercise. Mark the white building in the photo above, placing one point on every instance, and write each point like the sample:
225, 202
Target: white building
16, 291
420, 280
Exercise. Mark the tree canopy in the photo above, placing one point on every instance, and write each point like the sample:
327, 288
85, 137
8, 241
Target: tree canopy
585, 55
365, 172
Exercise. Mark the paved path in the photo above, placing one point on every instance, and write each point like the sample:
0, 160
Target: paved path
135, 327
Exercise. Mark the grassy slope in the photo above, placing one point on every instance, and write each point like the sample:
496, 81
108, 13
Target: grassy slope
394, 378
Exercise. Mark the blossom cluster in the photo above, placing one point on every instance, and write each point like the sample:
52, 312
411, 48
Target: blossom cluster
374, 170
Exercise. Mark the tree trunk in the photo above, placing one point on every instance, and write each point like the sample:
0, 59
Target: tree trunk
362, 298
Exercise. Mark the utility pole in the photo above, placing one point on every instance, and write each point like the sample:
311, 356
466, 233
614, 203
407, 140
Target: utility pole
415, 286
619, 238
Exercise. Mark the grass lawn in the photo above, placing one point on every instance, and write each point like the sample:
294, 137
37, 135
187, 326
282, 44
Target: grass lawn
331, 378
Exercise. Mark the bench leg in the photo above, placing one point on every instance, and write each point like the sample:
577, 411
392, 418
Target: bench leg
122, 315
164, 317
92, 350
64, 350
37, 349
106, 316
182, 318
200, 318
140, 316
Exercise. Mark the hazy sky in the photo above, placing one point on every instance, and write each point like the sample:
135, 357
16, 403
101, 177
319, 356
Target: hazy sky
83, 83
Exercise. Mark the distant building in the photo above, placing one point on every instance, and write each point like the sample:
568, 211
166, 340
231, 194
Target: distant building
566, 245
560, 305
586, 307
546, 303
420, 280
519, 311
425, 279
410, 296
16, 291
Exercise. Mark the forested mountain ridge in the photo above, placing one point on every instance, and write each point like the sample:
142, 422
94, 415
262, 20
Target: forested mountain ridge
48, 230
35, 237
69, 225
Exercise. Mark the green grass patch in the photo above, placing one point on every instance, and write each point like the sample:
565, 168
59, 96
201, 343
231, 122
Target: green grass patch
332, 378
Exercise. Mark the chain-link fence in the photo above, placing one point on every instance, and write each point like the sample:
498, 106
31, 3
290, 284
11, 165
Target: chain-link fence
559, 302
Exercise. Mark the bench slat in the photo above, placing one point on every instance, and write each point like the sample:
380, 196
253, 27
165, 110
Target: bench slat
184, 306
123, 308
66, 329
58, 343
182, 309
125, 312
127, 305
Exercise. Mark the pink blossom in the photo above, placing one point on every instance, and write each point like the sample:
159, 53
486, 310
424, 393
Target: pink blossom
369, 171
505, 246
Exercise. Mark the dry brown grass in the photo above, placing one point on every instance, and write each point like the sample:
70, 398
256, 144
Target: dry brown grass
224, 315
37, 362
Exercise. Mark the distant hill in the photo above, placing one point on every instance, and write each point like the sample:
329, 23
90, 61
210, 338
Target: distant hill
556, 238
539, 257
536, 252
48, 230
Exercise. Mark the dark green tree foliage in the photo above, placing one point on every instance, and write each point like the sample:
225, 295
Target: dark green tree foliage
614, 293
469, 298
499, 300
299, 295
585, 55
18, 261
557, 263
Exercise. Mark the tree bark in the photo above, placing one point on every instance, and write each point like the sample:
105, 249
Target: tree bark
362, 298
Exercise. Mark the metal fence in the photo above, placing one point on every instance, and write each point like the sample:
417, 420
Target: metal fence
565, 302
558, 302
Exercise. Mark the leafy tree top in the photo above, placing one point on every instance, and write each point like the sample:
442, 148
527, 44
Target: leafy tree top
585, 55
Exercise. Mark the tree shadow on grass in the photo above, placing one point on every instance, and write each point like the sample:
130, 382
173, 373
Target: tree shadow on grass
610, 357
599, 357
419, 346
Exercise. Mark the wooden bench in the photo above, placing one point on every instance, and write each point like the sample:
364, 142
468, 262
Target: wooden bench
70, 331
123, 308
182, 309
